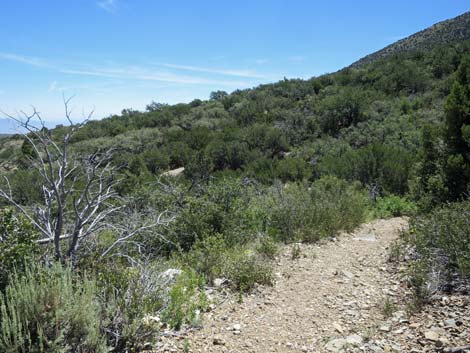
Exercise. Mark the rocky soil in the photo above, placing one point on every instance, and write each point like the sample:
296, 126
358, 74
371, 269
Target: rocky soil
341, 295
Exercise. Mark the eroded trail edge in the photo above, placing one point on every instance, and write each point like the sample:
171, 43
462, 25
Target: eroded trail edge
329, 298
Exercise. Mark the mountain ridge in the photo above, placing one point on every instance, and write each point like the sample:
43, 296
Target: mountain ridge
444, 32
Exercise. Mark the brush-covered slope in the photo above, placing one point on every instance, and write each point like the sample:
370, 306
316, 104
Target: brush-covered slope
446, 32
361, 123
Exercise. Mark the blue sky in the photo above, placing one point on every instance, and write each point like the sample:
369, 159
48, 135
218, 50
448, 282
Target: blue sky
115, 54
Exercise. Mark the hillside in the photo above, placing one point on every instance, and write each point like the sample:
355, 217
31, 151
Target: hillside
295, 129
134, 225
443, 33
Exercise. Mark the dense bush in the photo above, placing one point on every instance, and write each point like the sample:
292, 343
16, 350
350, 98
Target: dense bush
394, 206
443, 173
17, 245
245, 269
242, 265
339, 206
387, 166
48, 310
445, 232
185, 301
329, 206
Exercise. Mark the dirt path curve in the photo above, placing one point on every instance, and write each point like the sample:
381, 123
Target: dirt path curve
326, 300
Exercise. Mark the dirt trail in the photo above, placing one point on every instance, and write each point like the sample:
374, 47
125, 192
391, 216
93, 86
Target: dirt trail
326, 300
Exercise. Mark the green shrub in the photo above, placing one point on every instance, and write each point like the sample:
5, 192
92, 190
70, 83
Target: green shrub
244, 270
185, 301
445, 229
17, 245
221, 207
296, 252
388, 166
329, 206
243, 265
267, 247
394, 206
207, 257
50, 310
293, 169
339, 206
289, 207
131, 298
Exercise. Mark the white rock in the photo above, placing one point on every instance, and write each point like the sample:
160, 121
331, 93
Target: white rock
174, 172
338, 327
384, 328
366, 237
171, 274
218, 282
336, 345
431, 335
354, 340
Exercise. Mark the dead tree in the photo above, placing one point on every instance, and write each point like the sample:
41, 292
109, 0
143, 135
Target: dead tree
68, 212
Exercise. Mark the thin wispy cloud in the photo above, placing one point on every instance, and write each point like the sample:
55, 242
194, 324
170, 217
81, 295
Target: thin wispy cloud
296, 58
31, 61
237, 73
261, 61
126, 72
108, 5
145, 74
52, 86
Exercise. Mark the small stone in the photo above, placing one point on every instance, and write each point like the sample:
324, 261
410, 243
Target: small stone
443, 341
354, 340
450, 323
218, 341
219, 282
366, 237
431, 335
338, 327
336, 345
237, 327
384, 328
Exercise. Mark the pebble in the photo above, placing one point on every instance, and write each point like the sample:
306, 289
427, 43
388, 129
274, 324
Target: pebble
384, 328
218, 341
354, 340
431, 335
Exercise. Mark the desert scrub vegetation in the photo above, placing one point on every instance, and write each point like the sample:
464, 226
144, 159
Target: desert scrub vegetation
393, 206
17, 245
440, 233
47, 310
288, 162
52, 309
444, 234
308, 213
439, 244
